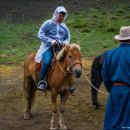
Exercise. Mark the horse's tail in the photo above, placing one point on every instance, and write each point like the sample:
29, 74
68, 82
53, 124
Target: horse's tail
96, 78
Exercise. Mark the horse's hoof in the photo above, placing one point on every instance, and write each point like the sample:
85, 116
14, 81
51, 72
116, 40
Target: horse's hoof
53, 128
98, 106
27, 116
63, 127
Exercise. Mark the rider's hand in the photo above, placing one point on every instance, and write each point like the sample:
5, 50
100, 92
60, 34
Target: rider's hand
63, 45
55, 43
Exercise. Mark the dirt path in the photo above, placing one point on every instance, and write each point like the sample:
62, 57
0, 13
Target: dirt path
79, 114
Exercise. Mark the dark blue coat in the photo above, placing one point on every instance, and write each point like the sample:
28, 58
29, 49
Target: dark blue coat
116, 68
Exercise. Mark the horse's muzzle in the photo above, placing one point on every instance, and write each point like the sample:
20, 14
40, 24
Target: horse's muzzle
77, 73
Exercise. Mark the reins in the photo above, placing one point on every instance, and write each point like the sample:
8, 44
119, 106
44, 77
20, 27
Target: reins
92, 84
58, 62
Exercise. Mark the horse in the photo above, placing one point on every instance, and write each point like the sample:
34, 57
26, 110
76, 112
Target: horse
96, 78
68, 64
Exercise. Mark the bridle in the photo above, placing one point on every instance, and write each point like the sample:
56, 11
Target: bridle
75, 63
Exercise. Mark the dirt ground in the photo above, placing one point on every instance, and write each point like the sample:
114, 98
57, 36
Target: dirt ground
37, 10
80, 114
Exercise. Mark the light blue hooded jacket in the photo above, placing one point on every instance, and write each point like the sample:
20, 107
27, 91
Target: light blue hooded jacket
52, 31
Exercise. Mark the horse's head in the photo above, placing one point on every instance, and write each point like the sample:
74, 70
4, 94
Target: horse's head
72, 55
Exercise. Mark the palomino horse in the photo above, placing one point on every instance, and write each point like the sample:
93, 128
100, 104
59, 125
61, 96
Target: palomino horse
68, 64
96, 78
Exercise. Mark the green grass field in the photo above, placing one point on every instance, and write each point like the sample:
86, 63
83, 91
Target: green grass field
93, 30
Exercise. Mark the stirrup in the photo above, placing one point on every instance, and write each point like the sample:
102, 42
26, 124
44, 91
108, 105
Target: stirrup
42, 85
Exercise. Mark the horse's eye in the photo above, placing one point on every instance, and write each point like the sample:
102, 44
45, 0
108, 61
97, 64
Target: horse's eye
70, 56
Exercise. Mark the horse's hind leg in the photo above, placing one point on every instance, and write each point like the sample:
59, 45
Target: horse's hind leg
29, 93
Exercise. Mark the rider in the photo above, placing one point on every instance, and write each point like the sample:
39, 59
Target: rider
51, 33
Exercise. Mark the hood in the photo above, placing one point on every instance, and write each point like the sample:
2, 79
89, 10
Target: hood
57, 11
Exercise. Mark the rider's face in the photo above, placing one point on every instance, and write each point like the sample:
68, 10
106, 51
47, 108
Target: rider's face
61, 17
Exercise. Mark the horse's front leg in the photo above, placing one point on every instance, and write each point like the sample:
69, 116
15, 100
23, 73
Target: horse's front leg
64, 96
54, 110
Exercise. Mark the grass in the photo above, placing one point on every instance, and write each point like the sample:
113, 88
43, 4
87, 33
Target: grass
16, 41
93, 30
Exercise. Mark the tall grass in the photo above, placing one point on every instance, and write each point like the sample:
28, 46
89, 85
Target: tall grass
93, 30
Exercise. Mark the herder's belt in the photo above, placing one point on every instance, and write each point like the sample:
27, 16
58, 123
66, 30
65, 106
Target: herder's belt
120, 84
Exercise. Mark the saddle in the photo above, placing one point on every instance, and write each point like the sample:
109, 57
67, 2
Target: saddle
38, 69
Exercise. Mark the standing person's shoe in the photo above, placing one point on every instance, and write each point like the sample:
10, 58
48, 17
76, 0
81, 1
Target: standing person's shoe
42, 85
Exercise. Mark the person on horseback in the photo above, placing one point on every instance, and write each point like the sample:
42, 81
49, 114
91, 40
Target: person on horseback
116, 77
53, 34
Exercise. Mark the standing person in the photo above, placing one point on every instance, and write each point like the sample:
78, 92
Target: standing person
52, 33
116, 77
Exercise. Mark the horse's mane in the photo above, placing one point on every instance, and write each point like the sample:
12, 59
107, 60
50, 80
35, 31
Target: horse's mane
74, 46
62, 53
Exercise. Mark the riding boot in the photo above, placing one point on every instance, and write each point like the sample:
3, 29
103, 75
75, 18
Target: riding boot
42, 85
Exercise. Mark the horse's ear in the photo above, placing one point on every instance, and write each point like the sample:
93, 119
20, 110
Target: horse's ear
78, 43
67, 47
61, 55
